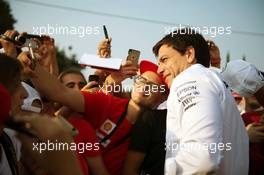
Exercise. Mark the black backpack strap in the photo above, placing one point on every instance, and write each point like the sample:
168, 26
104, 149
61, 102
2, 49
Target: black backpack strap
10, 153
118, 123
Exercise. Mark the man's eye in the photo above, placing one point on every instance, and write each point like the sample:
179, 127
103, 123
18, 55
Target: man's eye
163, 59
71, 85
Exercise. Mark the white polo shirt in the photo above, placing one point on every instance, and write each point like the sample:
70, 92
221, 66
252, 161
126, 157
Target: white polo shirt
4, 165
205, 132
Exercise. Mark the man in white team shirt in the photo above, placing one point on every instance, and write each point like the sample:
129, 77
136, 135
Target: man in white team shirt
205, 133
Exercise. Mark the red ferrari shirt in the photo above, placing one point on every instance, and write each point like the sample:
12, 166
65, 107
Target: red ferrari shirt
256, 150
86, 141
103, 111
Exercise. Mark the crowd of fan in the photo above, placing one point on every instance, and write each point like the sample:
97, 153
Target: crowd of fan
135, 132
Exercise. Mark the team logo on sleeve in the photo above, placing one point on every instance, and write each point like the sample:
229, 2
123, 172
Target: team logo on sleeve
105, 129
107, 126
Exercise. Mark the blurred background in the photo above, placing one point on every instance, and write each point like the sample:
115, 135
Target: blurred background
139, 24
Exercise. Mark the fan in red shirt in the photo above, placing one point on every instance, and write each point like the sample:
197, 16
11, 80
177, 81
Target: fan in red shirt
88, 149
5, 102
104, 111
113, 117
86, 142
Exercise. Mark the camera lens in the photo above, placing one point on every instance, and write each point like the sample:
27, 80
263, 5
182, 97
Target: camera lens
20, 39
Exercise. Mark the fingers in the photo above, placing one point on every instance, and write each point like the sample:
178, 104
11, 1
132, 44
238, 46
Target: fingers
128, 73
260, 127
127, 70
90, 85
23, 118
45, 127
23, 33
104, 53
11, 34
24, 58
128, 67
105, 44
104, 48
130, 70
255, 124
127, 63
47, 40
109, 40
256, 132
8, 43
47, 53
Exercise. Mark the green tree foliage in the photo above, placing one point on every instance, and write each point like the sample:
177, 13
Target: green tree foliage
7, 20
66, 62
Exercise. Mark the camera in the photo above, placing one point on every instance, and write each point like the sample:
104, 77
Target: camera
24, 40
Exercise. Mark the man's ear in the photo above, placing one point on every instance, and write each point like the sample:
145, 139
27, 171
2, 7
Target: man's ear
190, 55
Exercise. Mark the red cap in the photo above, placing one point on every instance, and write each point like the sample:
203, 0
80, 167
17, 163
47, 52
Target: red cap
145, 66
5, 103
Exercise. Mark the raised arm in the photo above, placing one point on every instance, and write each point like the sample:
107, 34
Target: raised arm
49, 86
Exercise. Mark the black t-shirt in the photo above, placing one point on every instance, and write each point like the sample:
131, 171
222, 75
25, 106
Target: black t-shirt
148, 136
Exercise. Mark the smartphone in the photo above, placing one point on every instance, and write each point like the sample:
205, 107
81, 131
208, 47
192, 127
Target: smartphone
94, 78
133, 56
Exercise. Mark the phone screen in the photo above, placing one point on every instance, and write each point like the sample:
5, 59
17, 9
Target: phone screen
133, 55
93, 78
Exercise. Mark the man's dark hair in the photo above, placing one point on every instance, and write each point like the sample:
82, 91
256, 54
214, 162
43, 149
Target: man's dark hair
10, 68
181, 39
70, 71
